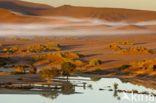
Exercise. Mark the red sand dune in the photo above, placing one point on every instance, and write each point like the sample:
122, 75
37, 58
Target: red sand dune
23, 7
109, 14
10, 16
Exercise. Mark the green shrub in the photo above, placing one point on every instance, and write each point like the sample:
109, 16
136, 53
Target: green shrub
67, 68
125, 66
95, 62
151, 67
114, 47
19, 69
48, 73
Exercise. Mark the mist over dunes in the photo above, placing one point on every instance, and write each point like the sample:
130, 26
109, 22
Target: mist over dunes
25, 18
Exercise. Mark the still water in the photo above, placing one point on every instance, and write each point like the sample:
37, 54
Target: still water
89, 90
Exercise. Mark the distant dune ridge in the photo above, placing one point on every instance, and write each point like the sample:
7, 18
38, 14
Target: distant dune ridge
68, 19
109, 14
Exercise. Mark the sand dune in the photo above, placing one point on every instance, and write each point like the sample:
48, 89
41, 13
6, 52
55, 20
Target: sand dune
108, 14
24, 18
23, 7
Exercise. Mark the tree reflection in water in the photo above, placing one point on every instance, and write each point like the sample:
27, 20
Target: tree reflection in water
115, 95
51, 95
66, 89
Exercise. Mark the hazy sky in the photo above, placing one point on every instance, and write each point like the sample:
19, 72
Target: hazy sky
132, 4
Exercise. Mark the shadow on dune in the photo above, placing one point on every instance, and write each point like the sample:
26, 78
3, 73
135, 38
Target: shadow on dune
90, 55
70, 47
18, 8
109, 61
140, 43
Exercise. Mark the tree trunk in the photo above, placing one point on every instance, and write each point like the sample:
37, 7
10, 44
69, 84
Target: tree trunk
67, 78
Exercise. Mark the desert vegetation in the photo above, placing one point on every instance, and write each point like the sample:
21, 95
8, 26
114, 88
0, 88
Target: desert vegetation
40, 48
118, 48
59, 58
19, 69
45, 59
95, 62
67, 68
113, 47
71, 58
123, 43
43, 48
134, 50
143, 68
48, 73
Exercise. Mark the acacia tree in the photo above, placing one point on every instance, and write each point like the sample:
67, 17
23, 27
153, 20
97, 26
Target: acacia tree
48, 73
67, 68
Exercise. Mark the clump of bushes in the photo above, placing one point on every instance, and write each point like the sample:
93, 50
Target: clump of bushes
134, 50
72, 55
95, 62
43, 48
151, 67
32, 49
19, 69
145, 67
8, 50
125, 66
52, 44
130, 50
113, 47
48, 73
61, 57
